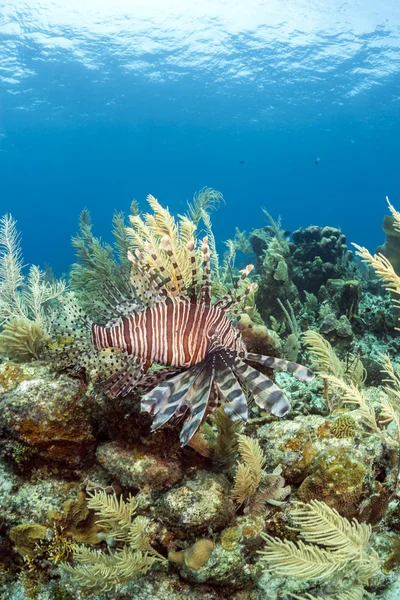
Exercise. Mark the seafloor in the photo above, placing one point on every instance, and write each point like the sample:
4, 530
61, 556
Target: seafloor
220, 518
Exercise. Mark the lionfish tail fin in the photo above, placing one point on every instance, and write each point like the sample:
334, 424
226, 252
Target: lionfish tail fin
299, 371
266, 394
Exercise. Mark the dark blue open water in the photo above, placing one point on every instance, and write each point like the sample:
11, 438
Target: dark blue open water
102, 102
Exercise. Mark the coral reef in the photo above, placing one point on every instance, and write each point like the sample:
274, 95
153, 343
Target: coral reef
317, 255
26, 304
96, 505
198, 504
136, 467
337, 478
195, 557
330, 548
52, 417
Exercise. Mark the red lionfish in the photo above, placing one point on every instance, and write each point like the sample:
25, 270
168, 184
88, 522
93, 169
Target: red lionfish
179, 326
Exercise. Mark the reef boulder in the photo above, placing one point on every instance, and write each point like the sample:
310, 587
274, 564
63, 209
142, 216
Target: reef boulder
198, 504
50, 419
319, 254
137, 467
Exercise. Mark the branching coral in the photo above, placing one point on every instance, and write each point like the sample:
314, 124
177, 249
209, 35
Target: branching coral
145, 235
98, 273
105, 571
148, 235
355, 593
227, 439
323, 357
248, 474
331, 548
332, 370
253, 486
25, 303
292, 344
22, 339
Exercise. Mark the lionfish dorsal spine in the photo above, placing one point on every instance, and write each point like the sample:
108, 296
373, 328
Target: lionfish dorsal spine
165, 244
167, 283
232, 297
149, 278
205, 292
191, 246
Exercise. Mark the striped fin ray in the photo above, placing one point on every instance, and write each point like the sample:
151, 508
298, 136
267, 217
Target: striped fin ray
165, 244
213, 401
166, 399
299, 371
232, 297
118, 371
76, 327
167, 283
193, 264
152, 379
266, 394
239, 298
197, 399
233, 399
150, 294
206, 280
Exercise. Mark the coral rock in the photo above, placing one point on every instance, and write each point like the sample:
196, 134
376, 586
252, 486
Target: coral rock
25, 537
198, 504
344, 329
138, 468
196, 556
319, 254
289, 443
344, 426
11, 374
53, 416
258, 338
338, 480
231, 560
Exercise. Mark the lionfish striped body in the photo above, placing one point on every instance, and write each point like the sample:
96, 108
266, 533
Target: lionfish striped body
178, 326
176, 333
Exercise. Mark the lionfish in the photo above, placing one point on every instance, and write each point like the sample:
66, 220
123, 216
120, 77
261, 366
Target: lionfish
179, 326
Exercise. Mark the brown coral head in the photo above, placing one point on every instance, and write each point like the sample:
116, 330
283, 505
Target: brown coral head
199, 554
195, 556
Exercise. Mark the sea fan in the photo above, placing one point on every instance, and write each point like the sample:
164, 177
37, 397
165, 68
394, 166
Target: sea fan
106, 571
333, 547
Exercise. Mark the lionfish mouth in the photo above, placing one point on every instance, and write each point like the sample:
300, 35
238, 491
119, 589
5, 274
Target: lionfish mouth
219, 379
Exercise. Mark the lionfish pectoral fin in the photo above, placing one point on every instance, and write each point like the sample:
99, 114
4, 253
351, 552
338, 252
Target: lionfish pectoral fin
166, 400
299, 371
118, 372
266, 394
197, 399
153, 379
234, 402
156, 400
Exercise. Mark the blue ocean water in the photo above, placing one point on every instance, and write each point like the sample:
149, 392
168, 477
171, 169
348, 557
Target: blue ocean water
104, 102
